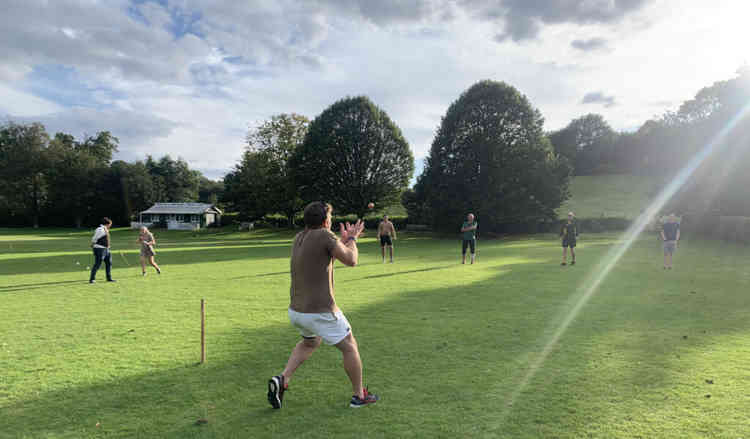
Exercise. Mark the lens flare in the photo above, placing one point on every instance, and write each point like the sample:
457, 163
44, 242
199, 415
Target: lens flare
592, 282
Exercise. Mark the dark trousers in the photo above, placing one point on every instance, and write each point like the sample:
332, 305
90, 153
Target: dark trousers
469, 243
102, 254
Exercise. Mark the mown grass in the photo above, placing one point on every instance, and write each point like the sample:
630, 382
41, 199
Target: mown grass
445, 345
618, 196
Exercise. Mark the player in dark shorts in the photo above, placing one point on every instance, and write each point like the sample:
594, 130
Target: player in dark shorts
670, 234
569, 233
469, 232
386, 233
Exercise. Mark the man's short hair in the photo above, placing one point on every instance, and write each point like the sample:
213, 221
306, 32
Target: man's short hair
106, 221
315, 213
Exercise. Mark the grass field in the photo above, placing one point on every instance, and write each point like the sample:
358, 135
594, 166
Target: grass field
607, 196
654, 354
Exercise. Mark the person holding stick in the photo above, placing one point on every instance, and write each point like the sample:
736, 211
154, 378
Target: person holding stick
313, 310
100, 243
147, 241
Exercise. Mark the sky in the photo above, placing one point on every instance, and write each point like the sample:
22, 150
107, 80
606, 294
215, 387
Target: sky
189, 78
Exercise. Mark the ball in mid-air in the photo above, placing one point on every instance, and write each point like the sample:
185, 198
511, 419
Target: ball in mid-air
370, 205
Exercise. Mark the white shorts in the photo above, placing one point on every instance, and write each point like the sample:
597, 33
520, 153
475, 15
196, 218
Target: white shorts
331, 327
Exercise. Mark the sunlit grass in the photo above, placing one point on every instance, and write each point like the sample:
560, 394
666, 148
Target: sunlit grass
444, 344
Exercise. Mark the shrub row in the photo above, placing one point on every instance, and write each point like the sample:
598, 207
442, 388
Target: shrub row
276, 221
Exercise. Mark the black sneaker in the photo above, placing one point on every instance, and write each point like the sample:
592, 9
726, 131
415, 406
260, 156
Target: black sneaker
111, 280
276, 389
563, 263
92, 281
573, 263
370, 398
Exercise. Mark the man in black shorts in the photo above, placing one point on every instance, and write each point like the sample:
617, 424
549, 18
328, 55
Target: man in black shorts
386, 233
569, 233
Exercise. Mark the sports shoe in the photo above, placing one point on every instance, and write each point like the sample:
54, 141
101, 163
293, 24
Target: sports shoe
111, 280
573, 263
143, 273
276, 389
370, 398
563, 263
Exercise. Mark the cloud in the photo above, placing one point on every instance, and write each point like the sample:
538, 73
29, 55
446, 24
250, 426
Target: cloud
523, 19
590, 44
598, 97
133, 128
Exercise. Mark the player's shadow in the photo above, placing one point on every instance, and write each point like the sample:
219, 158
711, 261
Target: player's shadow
397, 273
18, 287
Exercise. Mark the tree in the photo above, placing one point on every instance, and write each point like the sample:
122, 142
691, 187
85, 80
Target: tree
262, 182
209, 191
490, 157
23, 160
353, 154
586, 142
275, 141
76, 175
174, 181
245, 188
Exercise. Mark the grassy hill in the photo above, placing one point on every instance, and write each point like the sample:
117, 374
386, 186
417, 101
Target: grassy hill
609, 196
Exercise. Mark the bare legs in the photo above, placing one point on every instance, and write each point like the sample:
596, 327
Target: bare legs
347, 346
151, 262
667, 260
390, 250
300, 353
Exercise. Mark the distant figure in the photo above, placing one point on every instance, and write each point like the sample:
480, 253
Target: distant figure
569, 233
100, 243
469, 230
386, 231
147, 241
670, 234
313, 309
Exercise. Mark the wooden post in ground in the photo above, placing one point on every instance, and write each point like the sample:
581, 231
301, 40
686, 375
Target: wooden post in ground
203, 331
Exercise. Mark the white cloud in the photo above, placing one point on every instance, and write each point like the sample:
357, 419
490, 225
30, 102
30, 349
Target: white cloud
193, 93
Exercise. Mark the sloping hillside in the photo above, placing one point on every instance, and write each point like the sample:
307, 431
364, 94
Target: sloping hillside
609, 196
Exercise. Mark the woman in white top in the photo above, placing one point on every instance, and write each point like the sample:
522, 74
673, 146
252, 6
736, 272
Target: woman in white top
147, 241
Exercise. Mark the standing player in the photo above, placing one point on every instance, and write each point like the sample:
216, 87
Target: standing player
469, 230
569, 233
100, 243
313, 308
670, 234
386, 233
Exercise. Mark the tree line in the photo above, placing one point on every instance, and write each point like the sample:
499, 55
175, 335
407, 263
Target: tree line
64, 181
490, 155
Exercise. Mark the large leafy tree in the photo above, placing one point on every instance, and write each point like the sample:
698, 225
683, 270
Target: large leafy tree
353, 154
76, 175
262, 182
587, 142
23, 161
174, 181
490, 157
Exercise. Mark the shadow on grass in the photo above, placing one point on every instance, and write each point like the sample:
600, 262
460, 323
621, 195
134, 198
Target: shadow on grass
222, 253
442, 359
41, 284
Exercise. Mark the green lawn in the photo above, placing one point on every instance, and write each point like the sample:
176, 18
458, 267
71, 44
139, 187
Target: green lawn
446, 346
609, 196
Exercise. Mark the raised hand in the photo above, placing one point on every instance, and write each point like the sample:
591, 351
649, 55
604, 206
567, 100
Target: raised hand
351, 230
